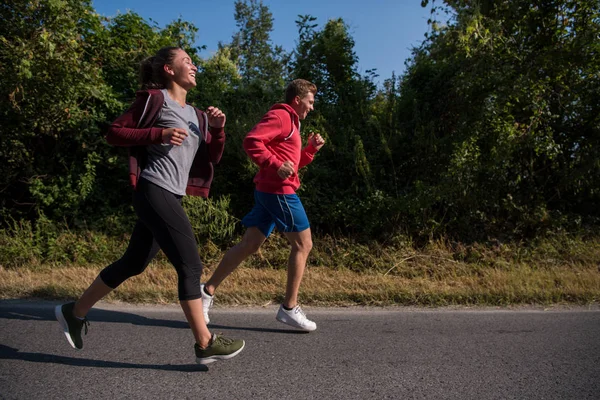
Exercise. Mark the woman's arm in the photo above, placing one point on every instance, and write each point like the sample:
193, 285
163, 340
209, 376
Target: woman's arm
124, 130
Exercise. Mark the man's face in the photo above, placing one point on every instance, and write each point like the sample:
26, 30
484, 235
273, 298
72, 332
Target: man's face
304, 105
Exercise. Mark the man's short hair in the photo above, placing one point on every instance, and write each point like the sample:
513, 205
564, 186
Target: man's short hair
299, 87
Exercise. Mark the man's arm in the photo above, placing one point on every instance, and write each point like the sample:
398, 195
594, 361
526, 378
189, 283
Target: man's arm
315, 142
255, 141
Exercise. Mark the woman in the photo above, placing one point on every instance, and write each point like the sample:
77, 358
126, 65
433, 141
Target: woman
172, 150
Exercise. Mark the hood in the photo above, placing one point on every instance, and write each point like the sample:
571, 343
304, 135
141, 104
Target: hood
288, 108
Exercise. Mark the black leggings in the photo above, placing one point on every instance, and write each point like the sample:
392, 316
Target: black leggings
162, 224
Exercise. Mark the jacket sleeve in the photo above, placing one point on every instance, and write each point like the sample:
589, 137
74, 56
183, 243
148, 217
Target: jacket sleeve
307, 155
124, 132
215, 138
255, 142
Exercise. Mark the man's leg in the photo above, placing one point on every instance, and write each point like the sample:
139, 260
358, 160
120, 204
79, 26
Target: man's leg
301, 246
290, 312
251, 241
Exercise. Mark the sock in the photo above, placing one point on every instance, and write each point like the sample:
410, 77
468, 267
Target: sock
206, 291
286, 308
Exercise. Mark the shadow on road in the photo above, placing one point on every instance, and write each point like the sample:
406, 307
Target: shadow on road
245, 328
46, 313
10, 353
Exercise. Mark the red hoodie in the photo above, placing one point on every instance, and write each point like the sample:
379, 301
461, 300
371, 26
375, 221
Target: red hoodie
274, 140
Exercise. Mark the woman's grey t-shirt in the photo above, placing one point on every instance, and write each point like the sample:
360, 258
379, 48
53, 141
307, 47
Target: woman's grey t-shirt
168, 166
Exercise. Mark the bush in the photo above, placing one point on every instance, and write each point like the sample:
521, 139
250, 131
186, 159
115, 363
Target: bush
210, 219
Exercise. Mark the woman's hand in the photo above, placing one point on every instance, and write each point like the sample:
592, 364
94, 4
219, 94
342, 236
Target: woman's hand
174, 136
216, 117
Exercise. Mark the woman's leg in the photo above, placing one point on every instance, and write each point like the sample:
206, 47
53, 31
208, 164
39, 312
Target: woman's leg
93, 294
141, 250
164, 216
195, 317
71, 316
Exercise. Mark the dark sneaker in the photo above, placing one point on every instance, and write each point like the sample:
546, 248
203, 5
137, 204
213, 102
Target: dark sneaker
71, 325
221, 348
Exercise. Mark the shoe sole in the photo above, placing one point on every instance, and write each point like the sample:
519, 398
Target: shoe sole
63, 324
212, 359
294, 325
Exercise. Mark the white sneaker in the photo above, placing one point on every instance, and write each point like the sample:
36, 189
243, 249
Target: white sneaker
296, 318
207, 302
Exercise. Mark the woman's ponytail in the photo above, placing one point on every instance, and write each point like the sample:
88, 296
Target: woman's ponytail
152, 74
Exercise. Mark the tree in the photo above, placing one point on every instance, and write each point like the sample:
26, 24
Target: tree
499, 111
259, 61
66, 72
52, 94
343, 114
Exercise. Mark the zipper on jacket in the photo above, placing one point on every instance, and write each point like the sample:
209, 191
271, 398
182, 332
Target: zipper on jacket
145, 109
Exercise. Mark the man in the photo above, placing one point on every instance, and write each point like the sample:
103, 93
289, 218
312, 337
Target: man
274, 144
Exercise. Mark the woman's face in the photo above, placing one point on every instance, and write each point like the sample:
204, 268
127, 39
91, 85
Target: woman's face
182, 71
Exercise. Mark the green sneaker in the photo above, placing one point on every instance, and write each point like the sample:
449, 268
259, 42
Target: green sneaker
220, 348
71, 325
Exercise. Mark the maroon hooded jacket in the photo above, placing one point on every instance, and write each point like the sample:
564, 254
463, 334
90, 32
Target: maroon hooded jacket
134, 129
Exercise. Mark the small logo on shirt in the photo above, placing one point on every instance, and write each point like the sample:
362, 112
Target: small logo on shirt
194, 129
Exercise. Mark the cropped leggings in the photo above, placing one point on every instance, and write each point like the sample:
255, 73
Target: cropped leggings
162, 224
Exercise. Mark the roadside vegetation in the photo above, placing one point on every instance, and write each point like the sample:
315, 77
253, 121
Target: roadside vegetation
471, 178
563, 269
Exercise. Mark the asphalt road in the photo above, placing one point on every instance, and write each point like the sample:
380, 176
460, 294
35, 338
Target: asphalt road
356, 353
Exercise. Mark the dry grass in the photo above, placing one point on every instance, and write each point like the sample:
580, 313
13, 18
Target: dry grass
561, 269
324, 286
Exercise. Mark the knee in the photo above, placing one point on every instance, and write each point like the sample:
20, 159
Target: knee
250, 245
120, 271
190, 273
303, 246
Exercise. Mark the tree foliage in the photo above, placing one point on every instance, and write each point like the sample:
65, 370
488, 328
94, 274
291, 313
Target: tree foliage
491, 131
500, 105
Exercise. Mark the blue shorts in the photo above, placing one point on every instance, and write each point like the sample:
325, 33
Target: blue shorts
282, 210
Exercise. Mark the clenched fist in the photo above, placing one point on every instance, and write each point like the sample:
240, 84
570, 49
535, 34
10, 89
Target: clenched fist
174, 136
286, 170
317, 140
216, 117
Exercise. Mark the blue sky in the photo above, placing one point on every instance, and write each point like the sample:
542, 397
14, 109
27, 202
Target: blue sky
384, 30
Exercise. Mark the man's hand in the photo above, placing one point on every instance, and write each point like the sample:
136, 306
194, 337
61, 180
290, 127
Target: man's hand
317, 140
286, 170
216, 117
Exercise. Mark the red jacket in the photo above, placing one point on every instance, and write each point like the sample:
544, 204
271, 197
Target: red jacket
134, 129
275, 139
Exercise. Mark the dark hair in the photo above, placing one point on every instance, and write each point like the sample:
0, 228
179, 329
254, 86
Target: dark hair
152, 74
299, 87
